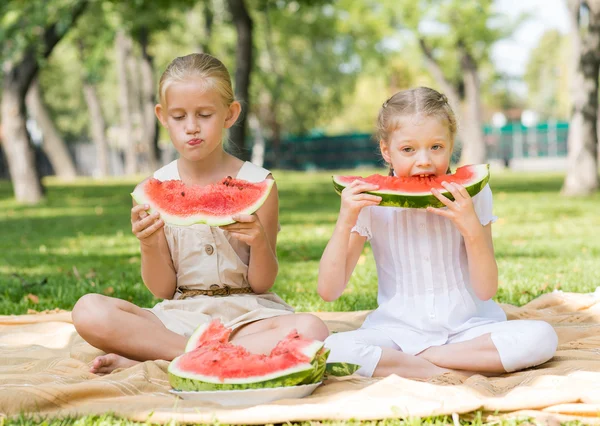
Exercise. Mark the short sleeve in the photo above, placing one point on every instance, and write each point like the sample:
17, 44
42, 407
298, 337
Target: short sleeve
483, 204
363, 223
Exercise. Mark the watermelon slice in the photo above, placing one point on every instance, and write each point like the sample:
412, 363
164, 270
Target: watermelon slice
217, 364
214, 205
415, 192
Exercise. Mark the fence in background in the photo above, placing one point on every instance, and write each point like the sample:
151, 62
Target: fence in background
512, 141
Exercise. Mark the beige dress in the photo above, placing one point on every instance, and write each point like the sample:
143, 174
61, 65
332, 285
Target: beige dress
205, 256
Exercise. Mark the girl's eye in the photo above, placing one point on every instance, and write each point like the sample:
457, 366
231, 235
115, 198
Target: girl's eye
205, 115
179, 117
407, 149
436, 147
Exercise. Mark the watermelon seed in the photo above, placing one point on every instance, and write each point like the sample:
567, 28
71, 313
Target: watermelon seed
183, 194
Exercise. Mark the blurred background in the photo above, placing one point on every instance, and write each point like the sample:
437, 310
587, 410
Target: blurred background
80, 80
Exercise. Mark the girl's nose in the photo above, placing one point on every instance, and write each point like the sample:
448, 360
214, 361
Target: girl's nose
423, 159
192, 126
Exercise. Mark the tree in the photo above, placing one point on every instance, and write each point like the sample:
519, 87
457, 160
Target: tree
454, 52
30, 31
582, 167
243, 66
547, 75
53, 144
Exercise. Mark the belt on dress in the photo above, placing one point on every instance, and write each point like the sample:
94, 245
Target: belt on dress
215, 291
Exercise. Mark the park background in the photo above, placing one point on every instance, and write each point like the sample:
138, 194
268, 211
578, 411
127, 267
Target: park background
78, 129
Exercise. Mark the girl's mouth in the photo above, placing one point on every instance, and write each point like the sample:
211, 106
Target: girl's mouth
194, 142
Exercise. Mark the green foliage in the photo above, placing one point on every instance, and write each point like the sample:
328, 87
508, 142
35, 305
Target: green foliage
309, 56
447, 24
547, 76
22, 24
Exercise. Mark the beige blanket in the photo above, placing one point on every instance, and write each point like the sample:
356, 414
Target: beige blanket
44, 369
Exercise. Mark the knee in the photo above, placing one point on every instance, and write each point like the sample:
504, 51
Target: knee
91, 313
544, 340
537, 342
311, 327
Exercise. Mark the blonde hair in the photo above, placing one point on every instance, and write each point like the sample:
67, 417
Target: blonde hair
418, 101
200, 65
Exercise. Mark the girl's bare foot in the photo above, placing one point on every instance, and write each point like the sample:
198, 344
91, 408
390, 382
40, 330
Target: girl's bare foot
105, 364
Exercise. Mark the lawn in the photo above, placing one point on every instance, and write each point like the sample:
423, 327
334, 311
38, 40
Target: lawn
79, 241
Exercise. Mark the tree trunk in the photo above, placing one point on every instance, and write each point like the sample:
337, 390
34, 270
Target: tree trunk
243, 25
473, 145
438, 75
17, 77
54, 146
97, 129
447, 88
149, 128
19, 154
582, 166
275, 93
258, 147
127, 139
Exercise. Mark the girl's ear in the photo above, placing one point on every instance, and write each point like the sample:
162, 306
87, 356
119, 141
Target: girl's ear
232, 114
158, 110
385, 151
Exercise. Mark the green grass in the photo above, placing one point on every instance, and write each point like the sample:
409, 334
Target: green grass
79, 241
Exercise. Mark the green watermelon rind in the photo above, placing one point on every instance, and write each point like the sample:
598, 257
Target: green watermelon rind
140, 198
423, 200
340, 369
319, 365
180, 383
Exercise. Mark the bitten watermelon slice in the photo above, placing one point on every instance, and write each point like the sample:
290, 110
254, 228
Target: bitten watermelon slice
217, 364
415, 192
214, 205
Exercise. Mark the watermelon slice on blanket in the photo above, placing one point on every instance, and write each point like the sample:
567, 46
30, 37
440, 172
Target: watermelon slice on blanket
217, 364
214, 205
212, 363
415, 192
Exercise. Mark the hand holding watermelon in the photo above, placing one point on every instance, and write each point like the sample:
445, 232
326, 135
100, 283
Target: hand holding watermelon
354, 198
460, 211
247, 228
144, 225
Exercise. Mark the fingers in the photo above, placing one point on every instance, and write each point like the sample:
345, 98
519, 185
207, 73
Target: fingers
445, 200
358, 186
140, 225
440, 212
244, 218
137, 211
367, 197
150, 229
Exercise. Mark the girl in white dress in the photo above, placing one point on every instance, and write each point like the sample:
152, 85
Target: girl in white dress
436, 267
202, 272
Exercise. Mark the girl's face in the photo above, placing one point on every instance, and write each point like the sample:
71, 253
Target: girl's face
420, 146
195, 117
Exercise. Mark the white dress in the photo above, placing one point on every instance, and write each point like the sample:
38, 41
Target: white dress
425, 297
424, 290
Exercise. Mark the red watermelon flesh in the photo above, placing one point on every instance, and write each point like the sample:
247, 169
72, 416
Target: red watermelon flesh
180, 204
415, 191
217, 364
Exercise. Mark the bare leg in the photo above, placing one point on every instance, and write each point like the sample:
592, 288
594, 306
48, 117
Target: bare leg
262, 336
404, 365
478, 354
125, 331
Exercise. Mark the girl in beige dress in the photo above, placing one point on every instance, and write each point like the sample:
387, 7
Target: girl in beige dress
202, 272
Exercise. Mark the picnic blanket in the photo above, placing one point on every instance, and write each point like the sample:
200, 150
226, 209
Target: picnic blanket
44, 369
